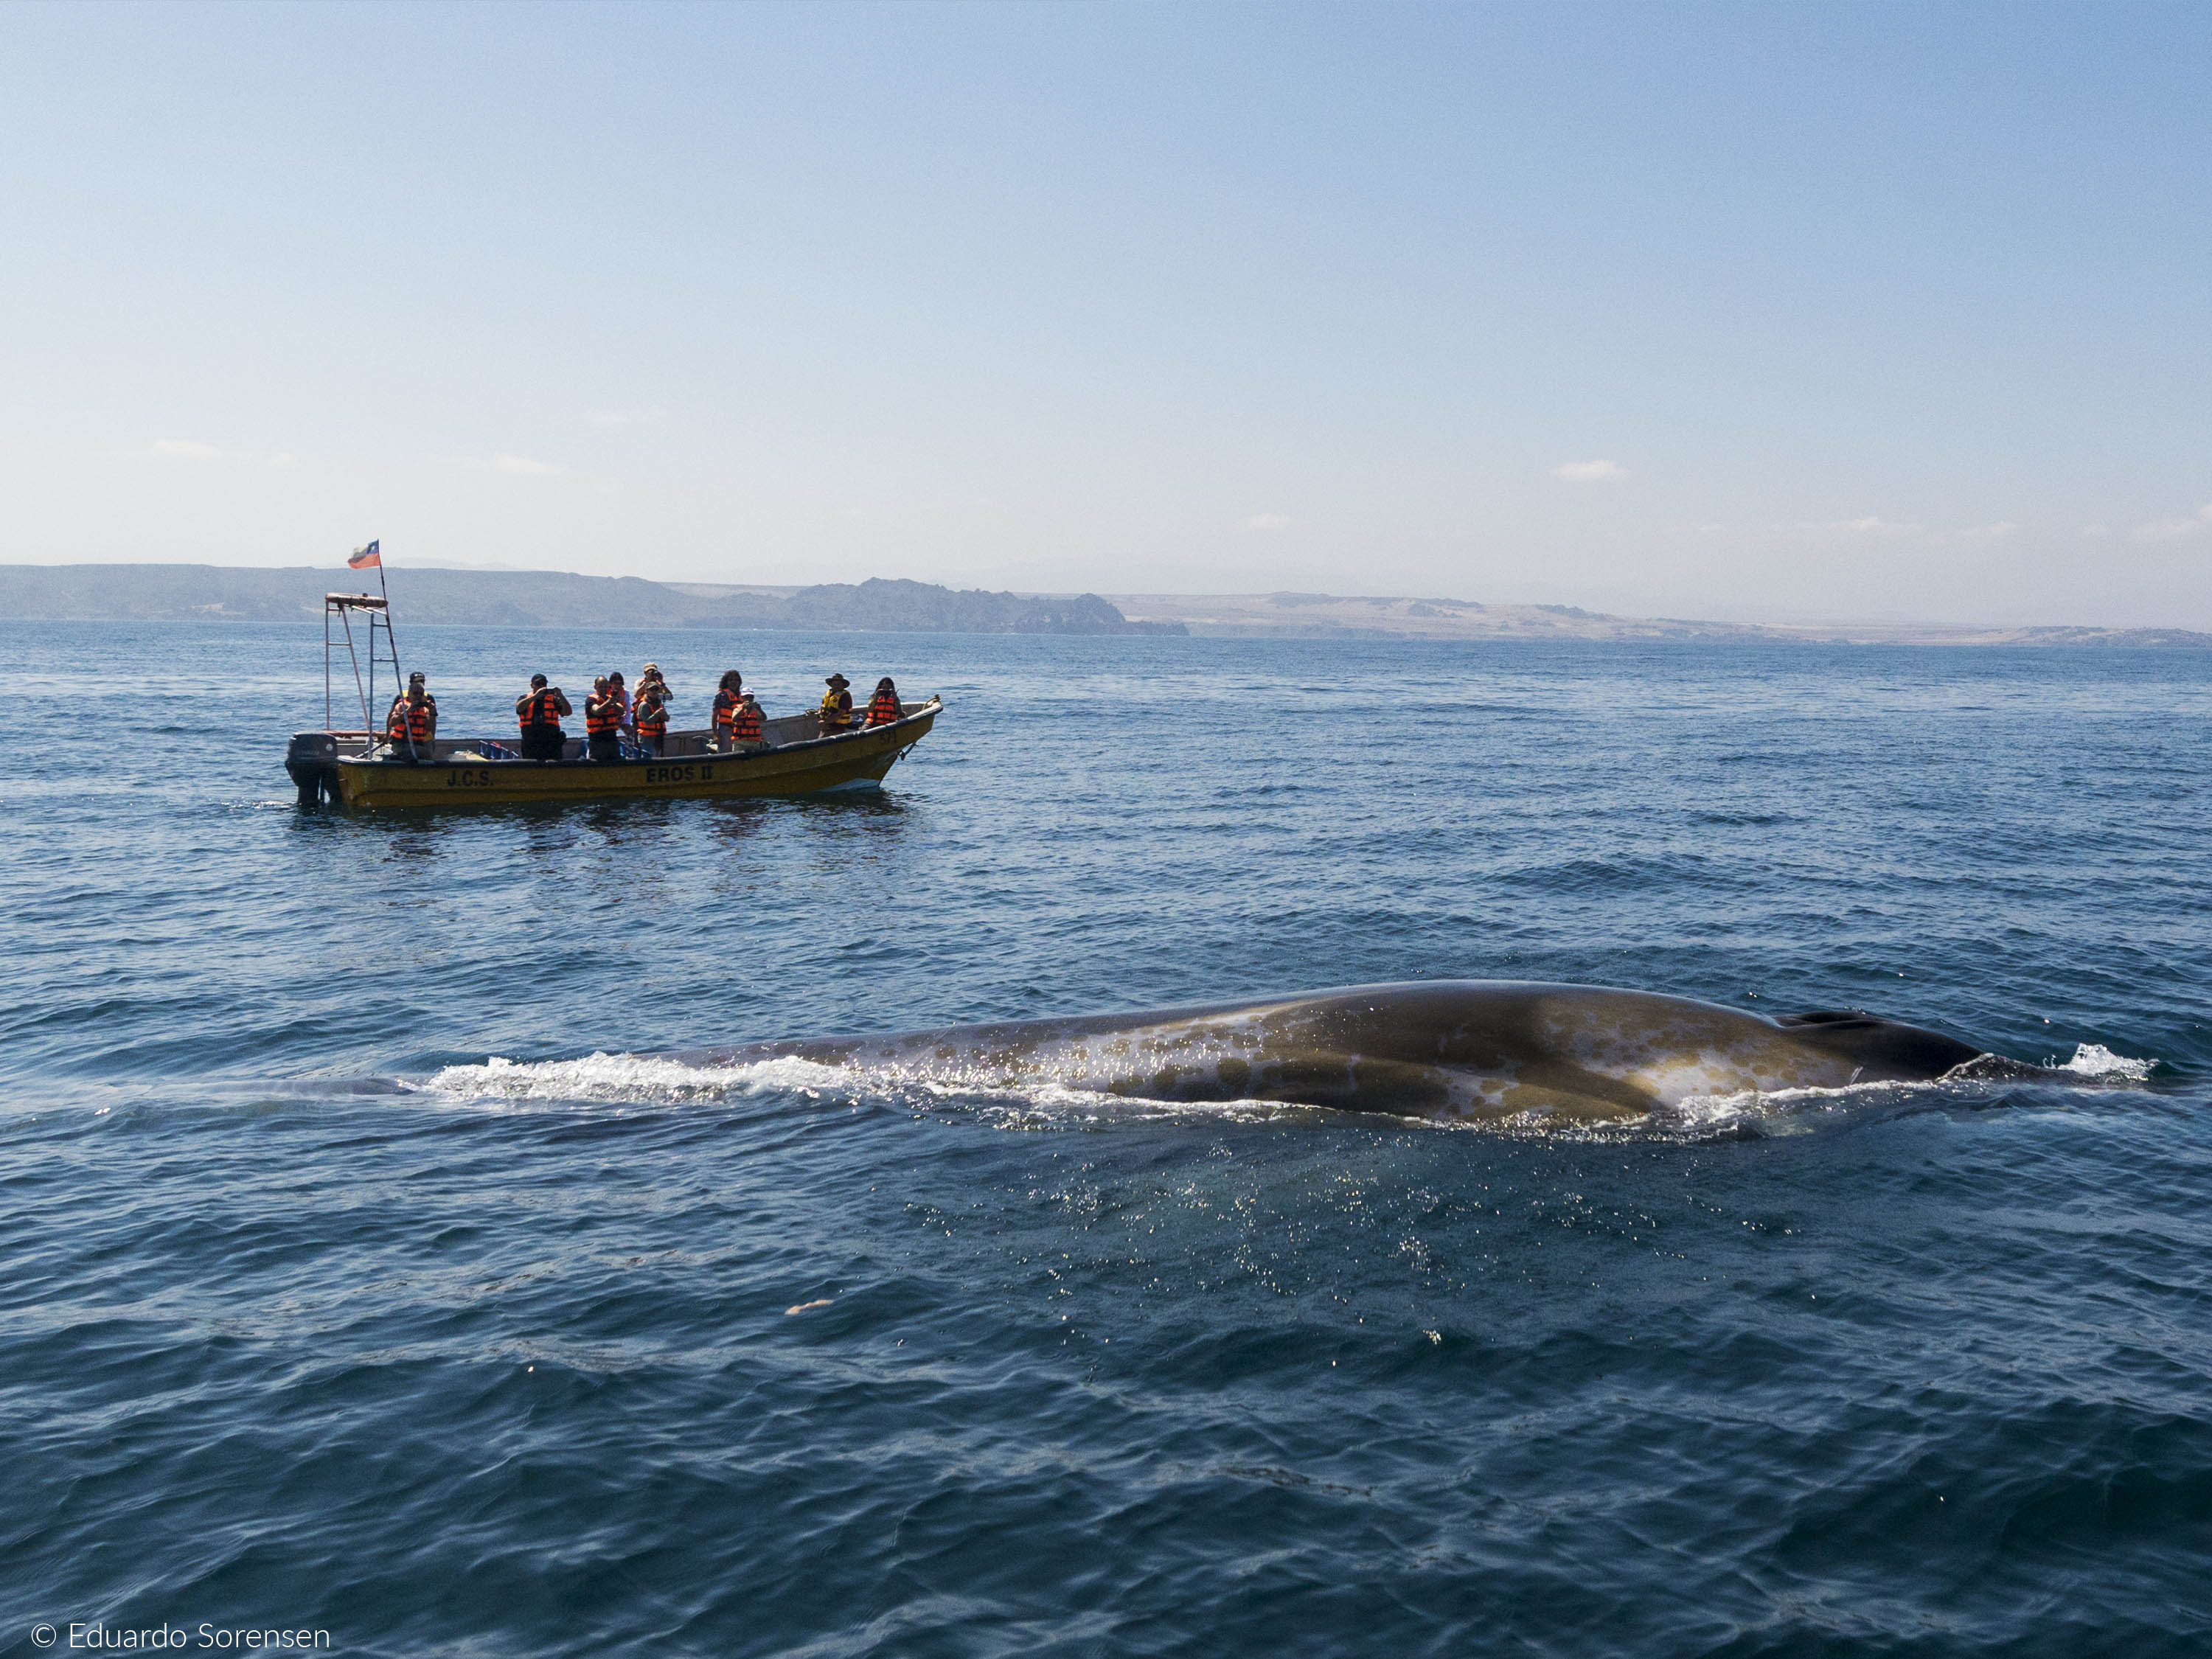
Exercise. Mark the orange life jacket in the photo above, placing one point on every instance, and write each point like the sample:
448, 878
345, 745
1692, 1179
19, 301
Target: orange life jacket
409, 719
883, 708
745, 722
651, 716
836, 709
726, 702
602, 715
541, 710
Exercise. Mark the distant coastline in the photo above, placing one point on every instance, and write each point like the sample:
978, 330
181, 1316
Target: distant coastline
432, 597
1323, 616
543, 598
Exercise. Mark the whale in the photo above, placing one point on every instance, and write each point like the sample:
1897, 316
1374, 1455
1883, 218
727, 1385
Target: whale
1472, 1049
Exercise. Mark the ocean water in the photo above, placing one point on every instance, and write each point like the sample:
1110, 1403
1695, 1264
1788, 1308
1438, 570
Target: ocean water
369, 1271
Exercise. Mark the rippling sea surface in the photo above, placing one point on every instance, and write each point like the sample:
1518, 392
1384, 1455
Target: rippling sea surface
366, 1272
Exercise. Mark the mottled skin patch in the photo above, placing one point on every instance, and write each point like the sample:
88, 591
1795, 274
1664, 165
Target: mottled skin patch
1471, 1049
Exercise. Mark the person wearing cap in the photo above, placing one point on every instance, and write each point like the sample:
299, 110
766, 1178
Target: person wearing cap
748, 727
412, 720
539, 712
883, 707
649, 713
836, 706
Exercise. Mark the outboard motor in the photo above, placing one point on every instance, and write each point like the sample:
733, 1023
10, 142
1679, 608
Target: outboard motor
313, 761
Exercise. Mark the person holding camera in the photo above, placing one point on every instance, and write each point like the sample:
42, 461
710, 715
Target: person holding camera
412, 721
602, 720
649, 716
539, 712
748, 727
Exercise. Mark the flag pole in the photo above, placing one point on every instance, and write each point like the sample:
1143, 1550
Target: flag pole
373, 554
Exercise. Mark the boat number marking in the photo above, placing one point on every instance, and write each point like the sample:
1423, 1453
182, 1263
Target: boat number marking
472, 777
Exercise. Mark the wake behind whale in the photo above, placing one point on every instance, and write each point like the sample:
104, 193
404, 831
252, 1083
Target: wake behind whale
1452, 1049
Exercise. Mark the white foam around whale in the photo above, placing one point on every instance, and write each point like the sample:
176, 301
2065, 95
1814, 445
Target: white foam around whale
2094, 1060
643, 1079
639, 1078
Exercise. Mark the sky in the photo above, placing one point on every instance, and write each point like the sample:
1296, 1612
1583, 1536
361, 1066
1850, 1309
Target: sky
1764, 312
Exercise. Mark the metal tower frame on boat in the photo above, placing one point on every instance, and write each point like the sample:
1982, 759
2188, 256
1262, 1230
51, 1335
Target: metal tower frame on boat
376, 614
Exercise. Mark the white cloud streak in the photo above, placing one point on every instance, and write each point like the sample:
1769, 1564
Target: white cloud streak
625, 416
1590, 471
1868, 527
191, 449
2169, 529
517, 466
1265, 523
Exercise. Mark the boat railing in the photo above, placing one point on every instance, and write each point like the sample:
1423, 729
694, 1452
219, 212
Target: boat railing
336, 745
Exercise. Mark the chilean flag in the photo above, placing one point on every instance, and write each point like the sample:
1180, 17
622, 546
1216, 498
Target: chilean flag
365, 556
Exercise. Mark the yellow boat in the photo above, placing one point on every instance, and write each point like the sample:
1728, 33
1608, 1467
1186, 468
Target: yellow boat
367, 769
355, 769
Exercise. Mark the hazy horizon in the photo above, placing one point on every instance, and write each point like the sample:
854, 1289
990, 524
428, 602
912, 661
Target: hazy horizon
1872, 312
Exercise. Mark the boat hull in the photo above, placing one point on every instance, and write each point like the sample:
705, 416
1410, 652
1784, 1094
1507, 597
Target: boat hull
854, 759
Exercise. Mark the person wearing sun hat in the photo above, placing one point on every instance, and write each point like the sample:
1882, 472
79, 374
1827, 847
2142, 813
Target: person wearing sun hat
836, 706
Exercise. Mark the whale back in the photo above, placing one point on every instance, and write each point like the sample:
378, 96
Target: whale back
1458, 1048
1883, 1050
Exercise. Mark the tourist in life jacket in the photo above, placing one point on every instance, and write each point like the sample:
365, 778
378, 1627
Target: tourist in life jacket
602, 715
836, 706
883, 707
747, 727
621, 698
413, 721
725, 703
650, 715
539, 712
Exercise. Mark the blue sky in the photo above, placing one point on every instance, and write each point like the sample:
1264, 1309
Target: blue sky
1758, 311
